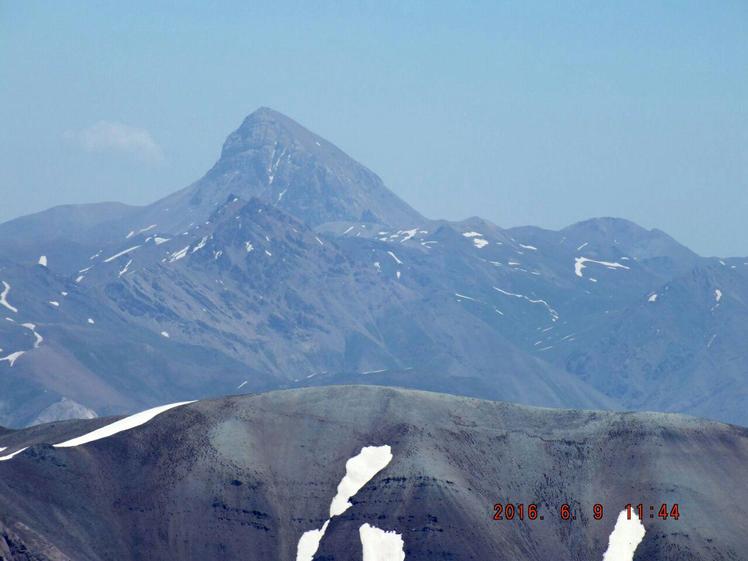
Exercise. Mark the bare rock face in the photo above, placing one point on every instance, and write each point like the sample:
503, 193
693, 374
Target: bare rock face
245, 477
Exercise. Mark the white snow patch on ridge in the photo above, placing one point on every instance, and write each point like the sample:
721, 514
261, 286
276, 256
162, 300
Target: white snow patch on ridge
125, 268
360, 469
554, 313
43, 260
121, 253
479, 243
380, 545
395, 258
37, 338
472, 234
717, 295
4, 298
120, 426
309, 543
179, 254
11, 456
201, 244
408, 234
625, 538
579, 265
652, 298
13, 357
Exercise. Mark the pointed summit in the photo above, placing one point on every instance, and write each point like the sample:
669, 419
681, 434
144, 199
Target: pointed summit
274, 158
266, 126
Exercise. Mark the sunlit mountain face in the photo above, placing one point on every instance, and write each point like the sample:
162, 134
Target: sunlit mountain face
289, 264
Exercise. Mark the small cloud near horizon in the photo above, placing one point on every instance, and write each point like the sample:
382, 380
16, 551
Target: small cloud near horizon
118, 138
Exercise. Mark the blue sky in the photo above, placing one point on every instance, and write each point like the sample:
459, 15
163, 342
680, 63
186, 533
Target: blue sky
539, 113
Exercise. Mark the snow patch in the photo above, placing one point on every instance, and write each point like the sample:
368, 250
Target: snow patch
122, 425
42, 261
165, 334
37, 338
12, 357
408, 234
652, 298
158, 240
395, 258
201, 244
360, 469
125, 268
4, 298
530, 247
11, 456
179, 254
625, 538
54, 303
121, 253
380, 545
554, 313
309, 543
480, 243
472, 234
579, 265
717, 295
91, 321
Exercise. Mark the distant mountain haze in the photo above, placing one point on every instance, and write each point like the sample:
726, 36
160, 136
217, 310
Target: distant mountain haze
289, 264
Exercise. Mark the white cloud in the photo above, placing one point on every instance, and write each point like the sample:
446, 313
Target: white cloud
112, 137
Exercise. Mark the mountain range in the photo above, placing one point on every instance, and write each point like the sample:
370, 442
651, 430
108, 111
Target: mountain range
289, 264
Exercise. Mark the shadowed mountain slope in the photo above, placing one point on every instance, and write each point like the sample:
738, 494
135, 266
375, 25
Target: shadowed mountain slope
245, 477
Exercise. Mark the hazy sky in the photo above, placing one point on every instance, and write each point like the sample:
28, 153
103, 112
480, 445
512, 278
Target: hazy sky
520, 112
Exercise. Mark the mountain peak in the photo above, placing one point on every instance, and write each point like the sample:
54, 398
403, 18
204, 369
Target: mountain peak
274, 158
267, 114
267, 127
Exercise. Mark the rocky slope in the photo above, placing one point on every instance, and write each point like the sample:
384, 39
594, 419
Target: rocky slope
245, 477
